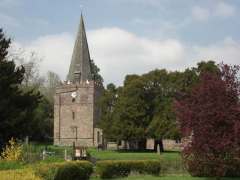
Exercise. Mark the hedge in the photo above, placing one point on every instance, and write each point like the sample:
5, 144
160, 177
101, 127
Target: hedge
122, 168
64, 171
47, 171
75, 171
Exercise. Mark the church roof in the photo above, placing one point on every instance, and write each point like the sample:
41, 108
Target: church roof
80, 63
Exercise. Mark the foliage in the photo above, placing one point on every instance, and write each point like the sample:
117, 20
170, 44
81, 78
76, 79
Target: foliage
42, 121
110, 169
49, 87
47, 171
107, 102
13, 151
64, 170
16, 105
95, 72
74, 171
210, 115
6, 165
143, 107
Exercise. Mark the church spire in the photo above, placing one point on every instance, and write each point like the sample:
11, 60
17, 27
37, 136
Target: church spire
80, 68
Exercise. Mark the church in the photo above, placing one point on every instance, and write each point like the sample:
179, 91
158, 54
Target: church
76, 112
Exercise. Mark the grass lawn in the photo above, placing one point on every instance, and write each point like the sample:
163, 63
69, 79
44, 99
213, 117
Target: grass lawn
170, 160
126, 155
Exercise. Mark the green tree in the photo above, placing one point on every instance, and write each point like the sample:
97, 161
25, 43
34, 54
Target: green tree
144, 105
96, 72
16, 106
107, 103
42, 121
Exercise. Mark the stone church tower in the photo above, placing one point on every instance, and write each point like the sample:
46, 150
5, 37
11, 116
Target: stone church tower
76, 112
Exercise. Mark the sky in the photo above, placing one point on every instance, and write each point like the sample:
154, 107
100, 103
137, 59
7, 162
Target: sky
125, 36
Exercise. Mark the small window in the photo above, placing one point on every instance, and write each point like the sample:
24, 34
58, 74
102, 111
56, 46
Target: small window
73, 99
73, 115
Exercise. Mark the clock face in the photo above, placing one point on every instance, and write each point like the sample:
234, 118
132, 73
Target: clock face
74, 94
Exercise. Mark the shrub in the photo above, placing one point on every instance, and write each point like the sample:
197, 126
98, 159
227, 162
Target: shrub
228, 167
13, 151
74, 171
66, 170
7, 165
146, 166
110, 169
47, 171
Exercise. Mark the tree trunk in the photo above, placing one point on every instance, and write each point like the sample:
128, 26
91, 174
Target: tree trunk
160, 143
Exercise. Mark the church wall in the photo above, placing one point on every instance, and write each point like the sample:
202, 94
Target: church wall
80, 128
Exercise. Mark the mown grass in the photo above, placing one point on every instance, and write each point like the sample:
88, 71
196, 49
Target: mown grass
128, 155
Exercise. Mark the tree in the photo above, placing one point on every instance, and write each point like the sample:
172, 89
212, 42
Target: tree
16, 106
210, 116
107, 103
96, 72
131, 112
144, 105
42, 117
31, 62
42, 122
50, 85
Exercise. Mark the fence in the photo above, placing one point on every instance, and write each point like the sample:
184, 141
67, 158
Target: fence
35, 152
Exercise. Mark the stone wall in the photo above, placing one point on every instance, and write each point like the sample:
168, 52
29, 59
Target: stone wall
74, 117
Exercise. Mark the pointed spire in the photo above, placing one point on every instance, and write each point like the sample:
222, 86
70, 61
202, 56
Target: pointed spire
80, 69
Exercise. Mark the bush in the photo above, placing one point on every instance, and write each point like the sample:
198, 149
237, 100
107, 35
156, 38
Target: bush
7, 165
227, 167
110, 169
47, 171
13, 151
74, 171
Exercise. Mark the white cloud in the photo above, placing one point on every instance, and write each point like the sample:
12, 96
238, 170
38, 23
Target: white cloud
227, 51
56, 51
118, 53
200, 14
221, 9
224, 9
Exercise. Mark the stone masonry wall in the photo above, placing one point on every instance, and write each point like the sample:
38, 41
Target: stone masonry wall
74, 120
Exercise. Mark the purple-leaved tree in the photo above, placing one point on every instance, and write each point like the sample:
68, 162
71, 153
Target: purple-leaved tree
210, 116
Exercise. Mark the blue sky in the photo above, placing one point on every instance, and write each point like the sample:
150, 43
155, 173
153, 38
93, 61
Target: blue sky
126, 36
